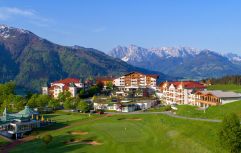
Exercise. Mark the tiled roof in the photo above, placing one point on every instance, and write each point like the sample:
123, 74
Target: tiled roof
186, 84
68, 81
151, 75
221, 94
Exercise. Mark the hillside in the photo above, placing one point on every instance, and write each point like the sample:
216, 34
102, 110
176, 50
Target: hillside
185, 62
32, 61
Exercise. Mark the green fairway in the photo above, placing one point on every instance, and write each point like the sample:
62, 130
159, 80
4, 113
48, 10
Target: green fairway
214, 112
149, 133
61, 117
225, 87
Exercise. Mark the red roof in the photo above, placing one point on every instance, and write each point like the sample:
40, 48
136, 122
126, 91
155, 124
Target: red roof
68, 81
187, 84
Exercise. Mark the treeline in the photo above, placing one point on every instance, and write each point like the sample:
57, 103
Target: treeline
15, 103
234, 79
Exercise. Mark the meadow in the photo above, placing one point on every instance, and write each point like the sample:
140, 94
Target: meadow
225, 87
214, 112
146, 133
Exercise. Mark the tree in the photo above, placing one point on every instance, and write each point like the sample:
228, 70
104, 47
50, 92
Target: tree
53, 103
32, 102
67, 104
83, 106
6, 90
42, 100
230, 133
63, 96
109, 86
47, 139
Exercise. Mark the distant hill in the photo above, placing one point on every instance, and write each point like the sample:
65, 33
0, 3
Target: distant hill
32, 61
184, 62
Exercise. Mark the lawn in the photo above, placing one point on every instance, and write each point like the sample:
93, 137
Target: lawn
148, 133
214, 112
3, 142
225, 87
160, 109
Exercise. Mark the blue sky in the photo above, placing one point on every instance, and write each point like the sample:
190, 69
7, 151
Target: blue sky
104, 24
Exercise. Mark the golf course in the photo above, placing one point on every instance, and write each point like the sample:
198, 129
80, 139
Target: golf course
128, 133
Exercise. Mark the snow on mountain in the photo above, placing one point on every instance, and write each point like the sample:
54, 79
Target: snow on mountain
138, 53
233, 57
166, 52
180, 61
7, 32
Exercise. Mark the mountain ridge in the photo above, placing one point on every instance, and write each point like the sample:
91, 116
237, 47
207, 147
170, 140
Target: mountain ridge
185, 62
31, 61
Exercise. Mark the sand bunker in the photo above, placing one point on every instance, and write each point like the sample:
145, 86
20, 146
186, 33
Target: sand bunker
72, 141
90, 142
78, 132
108, 115
80, 141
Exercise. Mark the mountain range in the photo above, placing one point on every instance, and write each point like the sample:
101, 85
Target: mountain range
185, 62
31, 61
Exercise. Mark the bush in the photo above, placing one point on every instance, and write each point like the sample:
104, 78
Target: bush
168, 108
47, 139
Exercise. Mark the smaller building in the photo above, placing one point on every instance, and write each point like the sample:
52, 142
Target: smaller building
71, 85
18, 123
126, 105
215, 97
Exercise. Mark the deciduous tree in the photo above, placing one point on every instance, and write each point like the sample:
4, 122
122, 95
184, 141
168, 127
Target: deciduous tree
230, 133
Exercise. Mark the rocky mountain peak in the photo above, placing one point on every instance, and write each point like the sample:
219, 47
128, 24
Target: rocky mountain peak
180, 61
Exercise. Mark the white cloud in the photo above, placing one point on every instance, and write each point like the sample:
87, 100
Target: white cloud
32, 16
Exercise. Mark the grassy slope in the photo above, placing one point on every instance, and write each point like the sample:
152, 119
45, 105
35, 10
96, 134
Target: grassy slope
215, 112
152, 134
225, 87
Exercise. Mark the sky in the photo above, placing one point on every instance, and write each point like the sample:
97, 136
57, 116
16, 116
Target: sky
105, 24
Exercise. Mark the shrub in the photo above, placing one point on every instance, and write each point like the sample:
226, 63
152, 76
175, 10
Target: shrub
168, 108
47, 139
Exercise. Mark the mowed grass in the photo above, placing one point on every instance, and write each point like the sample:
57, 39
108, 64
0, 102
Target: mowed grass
147, 133
214, 112
3, 142
225, 87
